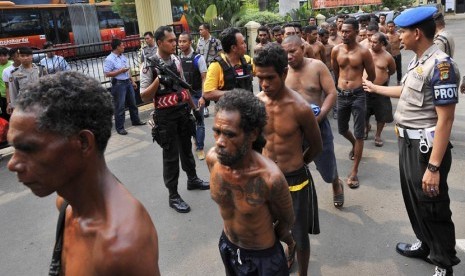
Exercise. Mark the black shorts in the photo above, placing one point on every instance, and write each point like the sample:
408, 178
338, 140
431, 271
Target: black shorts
305, 204
380, 106
239, 261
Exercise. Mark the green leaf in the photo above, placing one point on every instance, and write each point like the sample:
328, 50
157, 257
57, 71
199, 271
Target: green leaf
211, 13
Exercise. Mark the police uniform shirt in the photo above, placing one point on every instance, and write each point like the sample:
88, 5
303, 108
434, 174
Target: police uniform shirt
445, 42
148, 51
147, 76
431, 80
204, 44
115, 62
20, 77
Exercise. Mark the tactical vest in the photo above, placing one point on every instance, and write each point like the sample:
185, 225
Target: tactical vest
232, 79
191, 72
168, 85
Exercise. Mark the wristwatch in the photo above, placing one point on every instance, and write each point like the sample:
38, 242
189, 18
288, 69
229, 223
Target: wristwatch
432, 168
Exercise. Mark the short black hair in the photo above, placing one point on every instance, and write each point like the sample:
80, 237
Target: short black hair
228, 38
4, 51
351, 21
13, 51
277, 29
439, 19
333, 25
263, 29
148, 33
365, 17
24, 51
323, 31
189, 36
382, 14
297, 25
115, 42
68, 102
272, 55
343, 16
251, 109
309, 29
373, 27
160, 33
390, 22
427, 27
381, 38
205, 26
48, 44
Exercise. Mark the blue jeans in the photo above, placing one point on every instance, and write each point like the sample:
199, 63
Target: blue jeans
200, 132
123, 93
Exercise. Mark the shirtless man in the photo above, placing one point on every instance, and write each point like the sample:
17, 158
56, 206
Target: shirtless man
339, 21
349, 60
394, 40
277, 34
382, 23
334, 37
312, 79
317, 47
59, 129
250, 190
289, 30
370, 30
290, 123
263, 37
323, 36
380, 105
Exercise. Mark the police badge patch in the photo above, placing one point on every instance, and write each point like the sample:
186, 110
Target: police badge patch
444, 70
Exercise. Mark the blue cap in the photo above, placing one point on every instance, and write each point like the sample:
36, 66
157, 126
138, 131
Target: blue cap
414, 16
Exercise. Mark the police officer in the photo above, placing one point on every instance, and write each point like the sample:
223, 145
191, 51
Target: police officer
231, 69
424, 116
25, 74
150, 49
195, 70
173, 124
443, 38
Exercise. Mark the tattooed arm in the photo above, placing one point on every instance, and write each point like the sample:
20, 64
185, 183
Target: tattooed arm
281, 208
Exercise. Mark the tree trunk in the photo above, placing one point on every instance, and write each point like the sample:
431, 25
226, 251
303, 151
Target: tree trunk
262, 4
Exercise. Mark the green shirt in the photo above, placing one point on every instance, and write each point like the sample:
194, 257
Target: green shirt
2, 84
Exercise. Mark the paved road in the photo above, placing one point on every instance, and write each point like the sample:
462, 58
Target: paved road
360, 239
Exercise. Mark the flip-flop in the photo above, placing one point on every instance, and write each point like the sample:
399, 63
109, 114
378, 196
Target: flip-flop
352, 182
338, 200
351, 155
379, 142
290, 257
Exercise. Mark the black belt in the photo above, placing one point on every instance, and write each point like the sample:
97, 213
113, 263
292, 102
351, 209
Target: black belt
126, 80
349, 92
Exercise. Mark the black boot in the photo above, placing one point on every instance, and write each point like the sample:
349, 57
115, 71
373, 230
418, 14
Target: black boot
197, 183
178, 204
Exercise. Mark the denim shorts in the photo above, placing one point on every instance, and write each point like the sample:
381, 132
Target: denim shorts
354, 104
326, 161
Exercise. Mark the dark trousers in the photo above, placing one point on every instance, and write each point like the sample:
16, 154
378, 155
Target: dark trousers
3, 106
123, 94
431, 218
398, 60
174, 124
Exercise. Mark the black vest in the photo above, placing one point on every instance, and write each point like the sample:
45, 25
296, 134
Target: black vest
232, 80
192, 73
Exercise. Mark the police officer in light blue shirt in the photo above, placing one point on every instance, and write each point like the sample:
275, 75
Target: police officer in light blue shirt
424, 117
116, 67
53, 63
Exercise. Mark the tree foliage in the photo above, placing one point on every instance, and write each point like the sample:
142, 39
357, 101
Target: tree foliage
226, 11
396, 4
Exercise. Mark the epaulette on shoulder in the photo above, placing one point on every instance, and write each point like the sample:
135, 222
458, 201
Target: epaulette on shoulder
14, 70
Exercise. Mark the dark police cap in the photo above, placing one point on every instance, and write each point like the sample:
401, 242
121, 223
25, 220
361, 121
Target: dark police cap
414, 16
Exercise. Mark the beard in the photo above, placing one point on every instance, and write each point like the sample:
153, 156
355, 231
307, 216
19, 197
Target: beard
231, 159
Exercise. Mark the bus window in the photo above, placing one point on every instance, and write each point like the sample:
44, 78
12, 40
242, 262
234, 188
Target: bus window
63, 25
131, 27
108, 19
21, 23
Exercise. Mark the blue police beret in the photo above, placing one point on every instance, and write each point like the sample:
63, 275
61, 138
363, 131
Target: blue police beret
414, 16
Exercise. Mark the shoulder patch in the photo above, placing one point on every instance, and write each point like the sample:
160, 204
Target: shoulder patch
444, 82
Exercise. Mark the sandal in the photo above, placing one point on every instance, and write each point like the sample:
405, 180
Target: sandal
290, 257
379, 142
352, 182
351, 154
338, 199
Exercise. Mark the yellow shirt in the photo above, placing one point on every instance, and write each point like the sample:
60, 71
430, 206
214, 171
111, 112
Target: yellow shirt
215, 77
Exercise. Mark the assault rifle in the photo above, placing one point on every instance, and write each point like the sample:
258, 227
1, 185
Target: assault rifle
175, 79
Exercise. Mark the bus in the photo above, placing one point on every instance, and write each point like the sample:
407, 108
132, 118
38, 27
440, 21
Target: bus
30, 23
